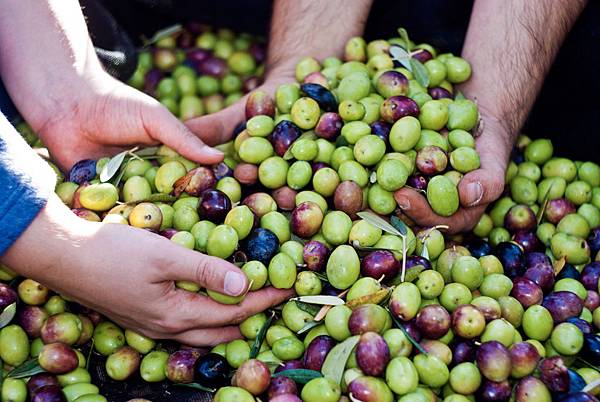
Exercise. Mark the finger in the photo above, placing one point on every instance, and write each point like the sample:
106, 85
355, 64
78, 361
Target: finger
164, 127
209, 272
218, 128
480, 187
208, 337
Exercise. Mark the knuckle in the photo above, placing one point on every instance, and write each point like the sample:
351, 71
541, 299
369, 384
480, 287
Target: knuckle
203, 273
169, 325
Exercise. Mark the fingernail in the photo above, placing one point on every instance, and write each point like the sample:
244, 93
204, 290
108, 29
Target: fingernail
212, 151
235, 283
403, 203
474, 193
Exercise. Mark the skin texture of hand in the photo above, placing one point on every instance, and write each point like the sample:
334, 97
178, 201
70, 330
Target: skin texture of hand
84, 260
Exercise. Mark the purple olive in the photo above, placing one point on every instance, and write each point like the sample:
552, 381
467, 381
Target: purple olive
380, 263
396, 107
431, 160
48, 393
412, 329
491, 391
529, 389
285, 398
253, 376
417, 260
31, 319
214, 205
315, 255
381, 129
285, 198
40, 380
168, 233
367, 318
180, 365
563, 305
316, 166
519, 218
422, 55
584, 326
280, 386
221, 170
284, 134
258, 51
83, 171
418, 182
260, 203
58, 358
213, 66
289, 365
316, 352
259, 103
590, 275
542, 275
463, 351
558, 209
493, 360
439, 93
123, 363
306, 219
197, 55
554, 374
526, 291
329, 126
8, 296
63, 327
372, 353
369, 389
528, 241
537, 258
592, 300
524, 358
151, 80
348, 198
185, 40
511, 257
593, 240
195, 182
433, 321
392, 83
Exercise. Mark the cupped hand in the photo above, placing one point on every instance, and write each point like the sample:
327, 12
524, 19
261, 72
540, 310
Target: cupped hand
476, 189
106, 117
129, 275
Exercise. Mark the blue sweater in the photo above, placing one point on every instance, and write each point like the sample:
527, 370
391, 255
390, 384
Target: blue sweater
26, 182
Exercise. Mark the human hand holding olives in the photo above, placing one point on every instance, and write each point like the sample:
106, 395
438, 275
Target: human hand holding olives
129, 275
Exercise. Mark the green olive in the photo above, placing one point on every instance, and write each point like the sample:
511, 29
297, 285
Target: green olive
272, 172
14, 390
305, 113
99, 197
167, 175
282, 271
239, 218
222, 241
14, 345
442, 195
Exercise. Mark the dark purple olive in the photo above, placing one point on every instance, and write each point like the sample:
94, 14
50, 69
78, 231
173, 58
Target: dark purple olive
151, 80
392, 83
493, 360
529, 388
563, 305
40, 380
348, 198
258, 51
568, 271
58, 358
31, 319
316, 166
590, 275
83, 171
261, 245
511, 257
316, 352
576, 381
372, 354
253, 376
542, 275
259, 103
221, 170
462, 351
329, 290
519, 218
380, 263
537, 258
321, 95
197, 55
592, 300
526, 291
593, 240
422, 55
366, 318
554, 374
528, 241
418, 182
195, 182
213, 66
168, 233
306, 219
382, 130
416, 260
439, 93
180, 365
289, 365
315, 255
591, 348
185, 40
584, 326
48, 393
214, 205
284, 134
576, 397
558, 209
433, 321
8, 296
478, 247
412, 329
396, 107
524, 358
491, 391
280, 386
329, 126
431, 160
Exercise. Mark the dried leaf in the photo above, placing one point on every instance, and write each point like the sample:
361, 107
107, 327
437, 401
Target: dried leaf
112, 166
322, 313
196, 386
379, 222
420, 72
301, 376
410, 338
335, 362
181, 184
8, 314
559, 265
260, 337
320, 299
373, 298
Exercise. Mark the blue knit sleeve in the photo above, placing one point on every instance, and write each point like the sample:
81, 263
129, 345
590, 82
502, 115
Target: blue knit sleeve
26, 182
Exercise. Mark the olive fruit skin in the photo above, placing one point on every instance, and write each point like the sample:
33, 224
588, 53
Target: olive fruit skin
370, 389
321, 95
180, 366
554, 374
261, 244
493, 360
253, 376
591, 348
563, 305
433, 321
317, 351
372, 354
380, 263
214, 205
123, 363
282, 386
524, 358
315, 255
58, 358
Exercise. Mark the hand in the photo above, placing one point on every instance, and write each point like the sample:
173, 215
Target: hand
476, 190
107, 117
128, 275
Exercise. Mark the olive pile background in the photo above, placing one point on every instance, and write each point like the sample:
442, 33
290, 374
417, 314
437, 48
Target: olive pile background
414, 315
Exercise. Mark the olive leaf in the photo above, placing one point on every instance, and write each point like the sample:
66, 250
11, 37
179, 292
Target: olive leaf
26, 369
320, 299
8, 314
379, 222
404, 35
308, 326
300, 376
308, 308
158, 197
260, 337
335, 362
147, 152
399, 224
559, 265
196, 386
293, 236
409, 276
322, 313
405, 332
425, 251
322, 276
420, 72
400, 55
112, 166
163, 33
459, 96
540, 214
373, 298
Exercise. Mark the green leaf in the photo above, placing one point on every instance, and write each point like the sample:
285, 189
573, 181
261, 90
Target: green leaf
320, 299
27, 369
399, 54
399, 225
404, 35
89, 355
410, 275
196, 386
379, 222
405, 332
112, 166
150, 151
260, 337
540, 214
420, 72
459, 96
8, 314
308, 326
335, 362
311, 309
425, 251
322, 276
301, 376
163, 33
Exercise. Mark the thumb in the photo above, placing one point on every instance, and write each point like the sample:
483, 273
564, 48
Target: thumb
217, 128
480, 187
209, 272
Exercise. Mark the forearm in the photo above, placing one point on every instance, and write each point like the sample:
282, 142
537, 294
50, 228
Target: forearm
511, 46
320, 29
46, 55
